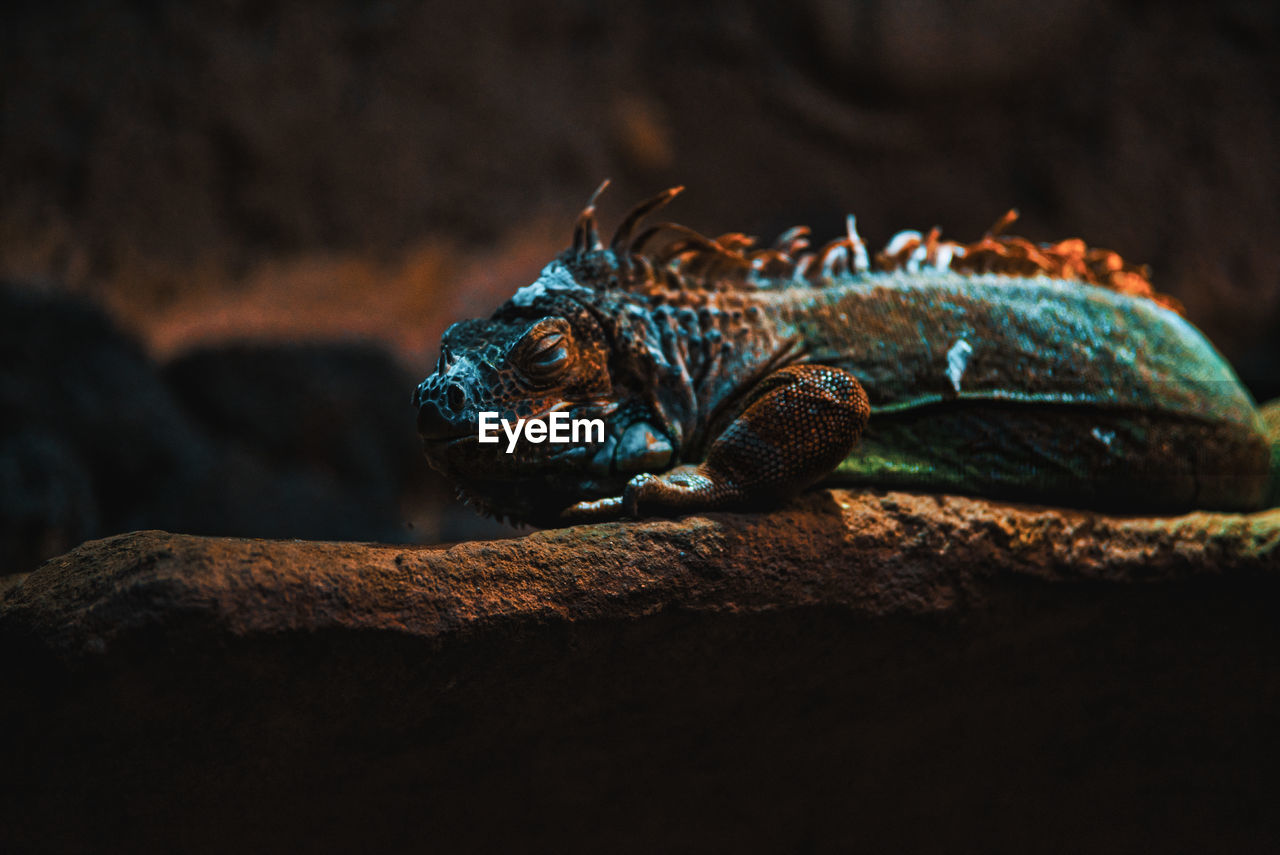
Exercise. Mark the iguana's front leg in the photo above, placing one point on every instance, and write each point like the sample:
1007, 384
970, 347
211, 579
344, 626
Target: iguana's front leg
799, 423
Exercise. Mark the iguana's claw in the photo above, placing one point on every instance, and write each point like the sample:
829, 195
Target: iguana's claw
639, 487
594, 511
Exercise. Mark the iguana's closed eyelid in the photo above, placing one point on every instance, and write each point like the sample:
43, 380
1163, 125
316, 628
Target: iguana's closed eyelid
551, 338
544, 362
551, 349
547, 332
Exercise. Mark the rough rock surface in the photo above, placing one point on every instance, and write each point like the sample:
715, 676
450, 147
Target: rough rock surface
857, 671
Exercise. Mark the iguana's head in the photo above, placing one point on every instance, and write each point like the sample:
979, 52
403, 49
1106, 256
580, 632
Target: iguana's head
577, 341
552, 348
531, 359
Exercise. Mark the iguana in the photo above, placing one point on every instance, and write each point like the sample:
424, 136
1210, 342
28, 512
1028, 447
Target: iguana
730, 375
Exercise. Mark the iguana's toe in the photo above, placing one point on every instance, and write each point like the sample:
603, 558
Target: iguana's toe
598, 510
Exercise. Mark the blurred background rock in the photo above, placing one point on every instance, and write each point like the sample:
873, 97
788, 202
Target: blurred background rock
233, 232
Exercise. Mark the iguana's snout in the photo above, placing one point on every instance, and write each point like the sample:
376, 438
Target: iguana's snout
441, 409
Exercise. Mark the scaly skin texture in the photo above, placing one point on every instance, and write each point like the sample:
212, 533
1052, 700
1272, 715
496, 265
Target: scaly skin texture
729, 376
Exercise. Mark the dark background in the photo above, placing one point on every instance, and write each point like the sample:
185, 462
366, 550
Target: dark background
231, 233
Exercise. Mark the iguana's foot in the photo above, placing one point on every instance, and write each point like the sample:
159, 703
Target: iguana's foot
686, 487
800, 422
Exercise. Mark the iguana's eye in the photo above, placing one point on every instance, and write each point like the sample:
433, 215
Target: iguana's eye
543, 354
550, 358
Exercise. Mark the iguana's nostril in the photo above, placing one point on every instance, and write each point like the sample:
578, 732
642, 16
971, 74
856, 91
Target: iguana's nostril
455, 397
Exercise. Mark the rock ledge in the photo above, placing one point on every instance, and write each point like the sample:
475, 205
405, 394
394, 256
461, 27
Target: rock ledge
867, 670
875, 554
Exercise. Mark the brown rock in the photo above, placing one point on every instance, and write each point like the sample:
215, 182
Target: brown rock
856, 671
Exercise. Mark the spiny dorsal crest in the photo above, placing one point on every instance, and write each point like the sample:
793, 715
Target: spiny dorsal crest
734, 261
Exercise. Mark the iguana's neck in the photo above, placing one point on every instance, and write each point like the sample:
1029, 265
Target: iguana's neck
689, 355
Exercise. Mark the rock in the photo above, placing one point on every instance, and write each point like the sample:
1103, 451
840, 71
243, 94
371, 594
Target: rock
285, 440
324, 429
875, 671
340, 407
88, 432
